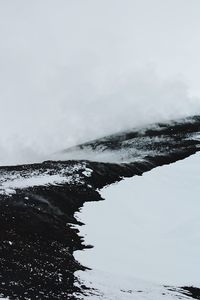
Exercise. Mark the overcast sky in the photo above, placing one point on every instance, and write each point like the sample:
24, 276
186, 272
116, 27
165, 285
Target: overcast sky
71, 70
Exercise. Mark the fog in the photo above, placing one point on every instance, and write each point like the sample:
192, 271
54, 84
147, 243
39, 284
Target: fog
73, 70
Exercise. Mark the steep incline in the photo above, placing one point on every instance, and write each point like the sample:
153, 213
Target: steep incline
38, 203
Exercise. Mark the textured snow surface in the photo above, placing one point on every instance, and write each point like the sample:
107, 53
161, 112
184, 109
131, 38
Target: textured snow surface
107, 286
147, 228
10, 186
14, 180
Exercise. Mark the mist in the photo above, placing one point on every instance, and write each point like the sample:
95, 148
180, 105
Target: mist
71, 71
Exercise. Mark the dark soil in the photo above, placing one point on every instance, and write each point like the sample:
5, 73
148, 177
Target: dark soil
37, 237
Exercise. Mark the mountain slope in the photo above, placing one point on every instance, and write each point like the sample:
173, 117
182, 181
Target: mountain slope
38, 203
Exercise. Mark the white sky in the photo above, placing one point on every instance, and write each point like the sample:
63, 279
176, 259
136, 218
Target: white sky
74, 70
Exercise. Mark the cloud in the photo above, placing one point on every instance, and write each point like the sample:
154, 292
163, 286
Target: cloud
72, 71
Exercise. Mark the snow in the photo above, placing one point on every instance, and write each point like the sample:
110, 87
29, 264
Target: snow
147, 228
102, 155
87, 172
10, 186
108, 286
12, 181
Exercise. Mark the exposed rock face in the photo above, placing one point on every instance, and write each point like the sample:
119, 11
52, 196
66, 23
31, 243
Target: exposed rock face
38, 203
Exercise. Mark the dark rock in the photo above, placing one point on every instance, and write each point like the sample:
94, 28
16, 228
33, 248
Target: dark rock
36, 222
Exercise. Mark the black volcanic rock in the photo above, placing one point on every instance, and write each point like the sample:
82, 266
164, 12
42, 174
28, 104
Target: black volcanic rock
37, 213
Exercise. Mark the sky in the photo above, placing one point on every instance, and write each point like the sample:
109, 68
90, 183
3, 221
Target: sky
74, 70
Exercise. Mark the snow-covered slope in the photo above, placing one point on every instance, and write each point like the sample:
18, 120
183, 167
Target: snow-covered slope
109, 286
148, 228
38, 202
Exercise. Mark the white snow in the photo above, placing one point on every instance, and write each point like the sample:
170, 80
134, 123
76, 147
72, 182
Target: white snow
102, 155
87, 172
108, 286
10, 186
11, 181
147, 228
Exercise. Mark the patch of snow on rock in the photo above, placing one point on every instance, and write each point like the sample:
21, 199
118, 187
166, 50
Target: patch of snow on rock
15, 180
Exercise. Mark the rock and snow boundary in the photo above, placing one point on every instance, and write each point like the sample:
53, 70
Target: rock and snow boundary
38, 202
147, 229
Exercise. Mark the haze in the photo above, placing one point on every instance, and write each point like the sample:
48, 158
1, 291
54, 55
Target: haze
75, 70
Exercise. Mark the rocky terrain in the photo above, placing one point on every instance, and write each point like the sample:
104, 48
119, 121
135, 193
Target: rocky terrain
38, 203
